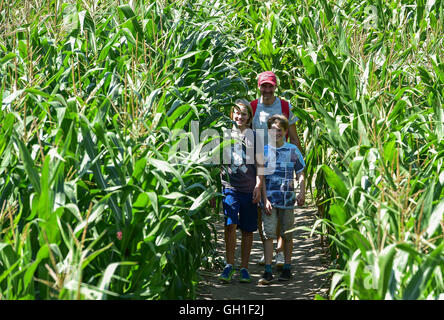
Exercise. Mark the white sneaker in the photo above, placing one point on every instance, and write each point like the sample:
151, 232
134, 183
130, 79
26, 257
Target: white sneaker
279, 259
262, 261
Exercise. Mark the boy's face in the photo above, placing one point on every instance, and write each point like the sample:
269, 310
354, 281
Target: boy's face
240, 116
277, 132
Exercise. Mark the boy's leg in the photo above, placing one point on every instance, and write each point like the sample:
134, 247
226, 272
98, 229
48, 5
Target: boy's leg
231, 205
288, 249
287, 223
231, 208
259, 223
246, 244
279, 249
267, 276
286, 269
261, 235
230, 243
269, 223
279, 246
230, 248
248, 217
286, 218
268, 251
248, 224
280, 242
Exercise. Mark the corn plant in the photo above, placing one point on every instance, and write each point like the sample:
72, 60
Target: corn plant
94, 203
378, 114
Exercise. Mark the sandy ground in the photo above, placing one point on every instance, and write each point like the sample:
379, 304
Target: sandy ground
308, 262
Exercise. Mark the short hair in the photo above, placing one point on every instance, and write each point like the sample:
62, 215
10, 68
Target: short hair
245, 103
280, 119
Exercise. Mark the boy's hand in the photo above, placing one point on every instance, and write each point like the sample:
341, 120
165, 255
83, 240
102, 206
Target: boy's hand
267, 206
301, 198
256, 194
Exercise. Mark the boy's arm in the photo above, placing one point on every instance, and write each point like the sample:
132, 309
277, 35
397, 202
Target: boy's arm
301, 196
294, 139
261, 173
267, 203
259, 177
264, 193
258, 189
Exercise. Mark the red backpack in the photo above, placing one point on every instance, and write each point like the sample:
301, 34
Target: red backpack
285, 107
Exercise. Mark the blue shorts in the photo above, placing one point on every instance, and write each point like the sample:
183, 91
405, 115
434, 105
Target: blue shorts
240, 210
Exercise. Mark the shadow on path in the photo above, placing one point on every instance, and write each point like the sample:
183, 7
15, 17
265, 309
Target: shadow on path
308, 261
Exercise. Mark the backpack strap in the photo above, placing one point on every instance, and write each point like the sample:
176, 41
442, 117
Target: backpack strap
254, 106
285, 106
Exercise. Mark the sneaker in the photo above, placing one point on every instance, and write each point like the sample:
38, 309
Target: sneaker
244, 276
262, 261
227, 274
267, 277
279, 259
285, 275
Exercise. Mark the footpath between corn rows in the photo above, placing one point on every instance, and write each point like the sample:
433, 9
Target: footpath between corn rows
308, 261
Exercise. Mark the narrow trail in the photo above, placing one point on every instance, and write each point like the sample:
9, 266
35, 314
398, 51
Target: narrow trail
308, 261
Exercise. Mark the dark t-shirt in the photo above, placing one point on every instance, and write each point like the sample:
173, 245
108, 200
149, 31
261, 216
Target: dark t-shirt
240, 163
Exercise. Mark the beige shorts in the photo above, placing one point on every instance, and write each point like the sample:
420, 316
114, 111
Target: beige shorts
269, 223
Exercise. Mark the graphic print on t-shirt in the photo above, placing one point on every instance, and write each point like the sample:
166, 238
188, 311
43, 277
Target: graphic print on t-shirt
281, 164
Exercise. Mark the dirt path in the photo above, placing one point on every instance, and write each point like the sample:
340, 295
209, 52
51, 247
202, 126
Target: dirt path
308, 261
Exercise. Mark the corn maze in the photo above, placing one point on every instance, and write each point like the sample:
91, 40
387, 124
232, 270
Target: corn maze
99, 201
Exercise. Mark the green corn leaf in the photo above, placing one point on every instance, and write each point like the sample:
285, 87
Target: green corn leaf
9, 257
108, 275
43, 253
10, 98
165, 167
129, 14
139, 168
153, 199
8, 273
420, 6
28, 164
327, 9
8, 57
420, 279
202, 199
310, 67
397, 110
98, 175
141, 201
181, 222
93, 255
385, 262
45, 200
338, 214
352, 81
435, 220
335, 182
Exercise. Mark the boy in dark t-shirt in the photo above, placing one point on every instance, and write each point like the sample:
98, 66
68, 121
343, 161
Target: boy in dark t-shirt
242, 181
